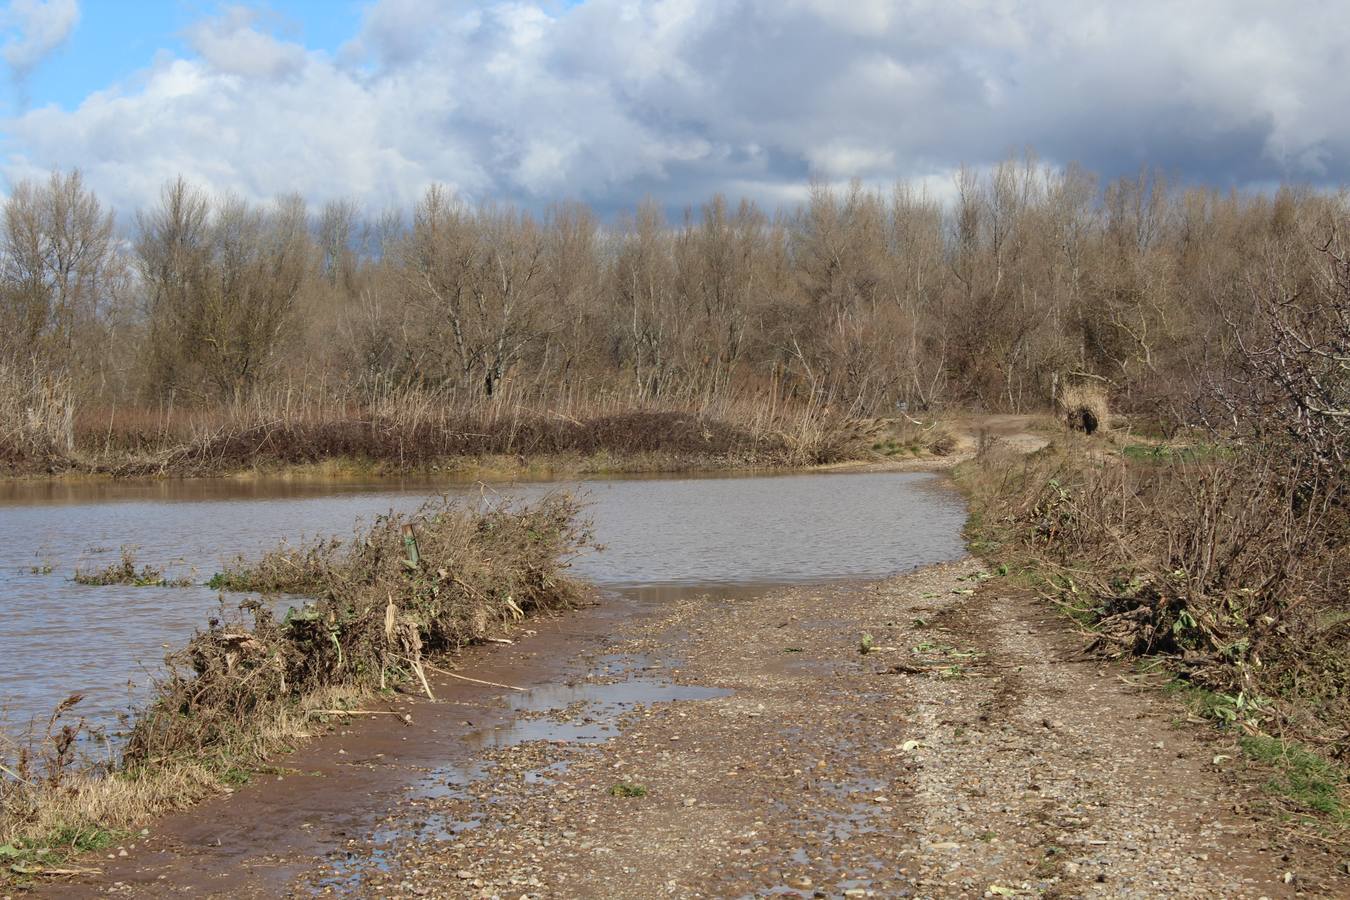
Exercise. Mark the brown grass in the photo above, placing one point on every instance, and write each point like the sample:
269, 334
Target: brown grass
402, 430
1220, 562
37, 416
1082, 406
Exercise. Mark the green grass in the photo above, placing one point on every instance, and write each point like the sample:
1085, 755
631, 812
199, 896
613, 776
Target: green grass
27, 858
627, 789
1305, 780
892, 447
1302, 777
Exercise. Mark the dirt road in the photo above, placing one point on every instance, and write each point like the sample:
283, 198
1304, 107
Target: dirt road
747, 747
971, 753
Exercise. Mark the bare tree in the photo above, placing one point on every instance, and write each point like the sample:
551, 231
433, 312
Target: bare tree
58, 262
221, 287
480, 277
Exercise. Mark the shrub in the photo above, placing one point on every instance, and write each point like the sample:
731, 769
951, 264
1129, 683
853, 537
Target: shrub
1083, 407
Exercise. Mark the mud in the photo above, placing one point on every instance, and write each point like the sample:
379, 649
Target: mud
261, 837
973, 752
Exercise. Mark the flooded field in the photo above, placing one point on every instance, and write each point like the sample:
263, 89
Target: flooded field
660, 536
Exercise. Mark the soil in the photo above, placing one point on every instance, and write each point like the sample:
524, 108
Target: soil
741, 745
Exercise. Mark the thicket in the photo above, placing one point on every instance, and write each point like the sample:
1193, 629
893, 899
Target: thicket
184, 335
1225, 552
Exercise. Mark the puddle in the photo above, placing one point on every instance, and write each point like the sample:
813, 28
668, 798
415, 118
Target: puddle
586, 711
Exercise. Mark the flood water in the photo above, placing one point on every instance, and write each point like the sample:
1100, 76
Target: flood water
660, 535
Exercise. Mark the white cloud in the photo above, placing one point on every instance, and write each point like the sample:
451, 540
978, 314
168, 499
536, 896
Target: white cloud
233, 45
33, 29
611, 100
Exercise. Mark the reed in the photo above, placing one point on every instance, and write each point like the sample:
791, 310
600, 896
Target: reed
398, 428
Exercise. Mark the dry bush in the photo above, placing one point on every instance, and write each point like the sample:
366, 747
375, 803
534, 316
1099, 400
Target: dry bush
374, 618
1083, 407
943, 443
1221, 562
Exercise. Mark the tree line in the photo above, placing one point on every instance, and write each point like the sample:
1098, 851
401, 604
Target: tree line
859, 299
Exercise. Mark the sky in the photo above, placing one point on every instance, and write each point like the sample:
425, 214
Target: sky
613, 101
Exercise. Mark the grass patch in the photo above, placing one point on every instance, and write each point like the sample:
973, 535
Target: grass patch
627, 789
33, 856
1304, 779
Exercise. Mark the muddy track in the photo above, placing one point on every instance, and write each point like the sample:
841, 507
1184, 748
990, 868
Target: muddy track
744, 746
971, 753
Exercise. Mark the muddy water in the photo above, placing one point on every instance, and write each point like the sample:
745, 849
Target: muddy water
660, 535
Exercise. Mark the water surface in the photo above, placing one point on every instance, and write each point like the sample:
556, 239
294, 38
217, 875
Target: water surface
58, 637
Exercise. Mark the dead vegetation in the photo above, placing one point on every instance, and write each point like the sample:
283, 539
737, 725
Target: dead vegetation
1213, 564
1225, 555
247, 686
423, 430
1082, 407
124, 572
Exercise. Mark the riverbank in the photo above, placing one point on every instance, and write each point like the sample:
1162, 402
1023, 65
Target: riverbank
941, 733
498, 444
250, 686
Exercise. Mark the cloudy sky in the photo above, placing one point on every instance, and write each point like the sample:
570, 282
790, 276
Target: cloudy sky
609, 101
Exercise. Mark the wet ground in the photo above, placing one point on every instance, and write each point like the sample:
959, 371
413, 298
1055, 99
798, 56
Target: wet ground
735, 741
741, 745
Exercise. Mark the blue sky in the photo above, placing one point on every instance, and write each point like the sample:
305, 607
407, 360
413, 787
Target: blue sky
115, 39
614, 101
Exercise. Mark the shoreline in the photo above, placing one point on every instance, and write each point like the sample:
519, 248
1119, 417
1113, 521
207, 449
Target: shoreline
469, 470
190, 786
334, 784
392, 822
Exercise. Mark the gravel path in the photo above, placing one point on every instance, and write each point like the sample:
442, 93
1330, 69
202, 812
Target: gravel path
970, 753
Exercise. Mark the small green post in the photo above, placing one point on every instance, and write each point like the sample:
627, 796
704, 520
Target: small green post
410, 545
